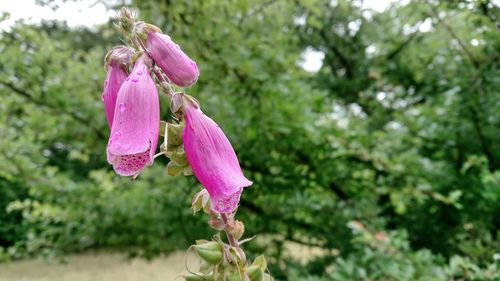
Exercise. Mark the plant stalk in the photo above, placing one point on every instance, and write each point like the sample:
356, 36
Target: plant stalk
232, 240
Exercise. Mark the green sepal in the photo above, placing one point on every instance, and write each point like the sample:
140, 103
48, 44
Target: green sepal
268, 277
201, 201
205, 267
193, 278
261, 262
174, 169
255, 273
210, 252
257, 269
188, 171
233, 276
174, 135
178, 156
199, 277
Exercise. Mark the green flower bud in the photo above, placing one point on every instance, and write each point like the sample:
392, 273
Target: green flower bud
210, 252
255, 273
174, 134
206, 267
261, 262
199, 277
174, 169
187, 171
233, 275
126, 20
193, 278
178, 156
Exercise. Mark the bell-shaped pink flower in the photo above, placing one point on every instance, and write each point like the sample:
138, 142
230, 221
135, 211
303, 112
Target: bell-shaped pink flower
178, 67
212, 158
116, 61
136, 122
114, 79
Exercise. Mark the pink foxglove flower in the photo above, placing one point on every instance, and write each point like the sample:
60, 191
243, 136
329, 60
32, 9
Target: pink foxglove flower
116, 62
212, 158
178, 67
136, 122
114, 79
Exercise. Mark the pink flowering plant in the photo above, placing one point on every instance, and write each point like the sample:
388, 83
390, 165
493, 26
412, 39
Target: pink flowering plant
192, 141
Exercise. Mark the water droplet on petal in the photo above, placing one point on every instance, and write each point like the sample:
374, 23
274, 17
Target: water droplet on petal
117, 134
139, 72
102, 97
135, 79
122, 107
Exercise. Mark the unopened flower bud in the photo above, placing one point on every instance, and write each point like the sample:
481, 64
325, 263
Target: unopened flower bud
176, 102
210, 252
142, 29
174, 169
178, 156
261, 262
233, 275
199, 277
174, 135
255, 273
126, 20
216, 224
178, 67
257, 269
126, 14
121, 55
236, 228
238, 256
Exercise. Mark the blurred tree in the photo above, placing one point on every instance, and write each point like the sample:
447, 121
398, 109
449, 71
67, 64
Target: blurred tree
398, 130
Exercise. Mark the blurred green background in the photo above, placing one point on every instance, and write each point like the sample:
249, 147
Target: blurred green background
385, 160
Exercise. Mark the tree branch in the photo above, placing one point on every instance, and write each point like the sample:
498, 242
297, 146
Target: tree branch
455, 36
401, 47
343, 60
73, 115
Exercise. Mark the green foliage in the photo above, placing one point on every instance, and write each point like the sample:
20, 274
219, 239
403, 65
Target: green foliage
378, 256
398, 130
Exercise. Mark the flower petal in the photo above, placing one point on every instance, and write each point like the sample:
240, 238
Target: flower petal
134, 135
213, 159
178, 67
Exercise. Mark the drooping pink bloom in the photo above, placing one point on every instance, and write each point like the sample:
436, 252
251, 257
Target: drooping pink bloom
212, 158
116, 62
136, 122
178, 67
114, 79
